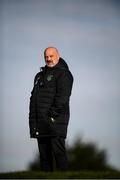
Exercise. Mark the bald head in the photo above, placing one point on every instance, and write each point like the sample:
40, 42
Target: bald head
51, 56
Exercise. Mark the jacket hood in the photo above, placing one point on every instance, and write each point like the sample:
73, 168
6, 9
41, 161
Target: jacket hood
61, 64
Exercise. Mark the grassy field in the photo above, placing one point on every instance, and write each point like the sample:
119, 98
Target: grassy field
61, 175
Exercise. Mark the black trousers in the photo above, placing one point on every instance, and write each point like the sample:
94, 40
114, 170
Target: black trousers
52, 149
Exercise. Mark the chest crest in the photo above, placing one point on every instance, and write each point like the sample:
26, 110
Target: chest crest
49, 77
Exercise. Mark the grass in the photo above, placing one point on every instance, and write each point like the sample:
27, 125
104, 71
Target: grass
61, 175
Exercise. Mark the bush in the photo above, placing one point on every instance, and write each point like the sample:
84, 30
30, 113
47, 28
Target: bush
81, 156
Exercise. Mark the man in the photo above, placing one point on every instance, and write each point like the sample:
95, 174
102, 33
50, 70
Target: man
49, 110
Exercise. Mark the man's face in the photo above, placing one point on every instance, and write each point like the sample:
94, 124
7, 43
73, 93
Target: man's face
51, 57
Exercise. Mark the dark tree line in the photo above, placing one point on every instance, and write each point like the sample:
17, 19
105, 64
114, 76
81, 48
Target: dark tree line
81, 156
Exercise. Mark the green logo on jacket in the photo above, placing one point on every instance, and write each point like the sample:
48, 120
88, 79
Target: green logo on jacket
49, 77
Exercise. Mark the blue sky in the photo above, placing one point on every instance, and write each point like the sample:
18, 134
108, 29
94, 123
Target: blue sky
87, 34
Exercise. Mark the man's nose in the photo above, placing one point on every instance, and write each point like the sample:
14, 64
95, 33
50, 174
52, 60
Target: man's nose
49, 58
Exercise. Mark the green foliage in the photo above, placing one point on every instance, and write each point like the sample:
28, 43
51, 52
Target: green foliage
35, 165
86, 156
81, 156
61, 175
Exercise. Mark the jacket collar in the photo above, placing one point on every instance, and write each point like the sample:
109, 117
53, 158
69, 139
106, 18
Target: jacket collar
61, 65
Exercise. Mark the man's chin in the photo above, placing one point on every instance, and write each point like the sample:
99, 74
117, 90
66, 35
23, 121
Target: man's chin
50, 65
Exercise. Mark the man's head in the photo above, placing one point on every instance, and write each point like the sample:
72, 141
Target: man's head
51, 56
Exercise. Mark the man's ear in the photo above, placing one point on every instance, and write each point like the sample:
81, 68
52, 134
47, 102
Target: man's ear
58, 56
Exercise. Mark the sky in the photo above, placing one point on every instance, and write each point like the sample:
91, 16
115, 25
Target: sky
87, 35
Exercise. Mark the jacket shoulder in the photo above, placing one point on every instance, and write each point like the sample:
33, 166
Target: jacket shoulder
37, 76
65, 73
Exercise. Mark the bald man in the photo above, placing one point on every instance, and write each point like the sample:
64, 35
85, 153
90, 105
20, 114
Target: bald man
49, 110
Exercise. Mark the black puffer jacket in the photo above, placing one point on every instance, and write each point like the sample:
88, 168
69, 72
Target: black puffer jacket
49, 101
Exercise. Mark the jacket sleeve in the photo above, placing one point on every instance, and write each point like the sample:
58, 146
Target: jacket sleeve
32, 111
63, 92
